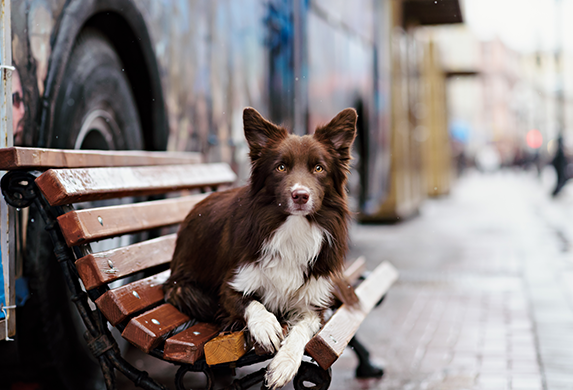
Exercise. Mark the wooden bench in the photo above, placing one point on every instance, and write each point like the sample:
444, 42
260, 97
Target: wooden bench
54, 180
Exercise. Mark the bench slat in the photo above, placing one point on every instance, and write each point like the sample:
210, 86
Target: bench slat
226, 348
122, 302
149, 329
335, 335
65, 186
355, 270
96, 269
84, 226
37, 158
188, 346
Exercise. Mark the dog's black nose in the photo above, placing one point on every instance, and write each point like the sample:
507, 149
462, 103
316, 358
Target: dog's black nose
300, 196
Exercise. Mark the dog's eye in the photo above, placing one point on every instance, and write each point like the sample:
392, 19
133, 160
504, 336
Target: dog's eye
281, 168
318, 169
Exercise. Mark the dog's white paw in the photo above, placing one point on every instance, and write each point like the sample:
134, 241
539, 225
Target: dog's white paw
264, 327
282, 369
267, 332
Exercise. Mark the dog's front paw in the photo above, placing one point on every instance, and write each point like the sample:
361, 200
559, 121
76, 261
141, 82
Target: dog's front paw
264, 327
282, 369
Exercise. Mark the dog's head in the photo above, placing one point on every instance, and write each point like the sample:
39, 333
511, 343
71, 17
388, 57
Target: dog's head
299, 173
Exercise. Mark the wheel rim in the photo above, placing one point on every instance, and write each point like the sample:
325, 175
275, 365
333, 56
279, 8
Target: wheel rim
97, 131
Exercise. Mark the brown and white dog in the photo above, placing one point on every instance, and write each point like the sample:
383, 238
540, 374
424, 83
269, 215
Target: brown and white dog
271, 252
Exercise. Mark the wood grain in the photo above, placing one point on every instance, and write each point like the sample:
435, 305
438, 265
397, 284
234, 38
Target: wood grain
97, 269
355, 269
37, 158
84, 226
226, 348
65, 186
335, 335
122, 302
149, 329
188, 346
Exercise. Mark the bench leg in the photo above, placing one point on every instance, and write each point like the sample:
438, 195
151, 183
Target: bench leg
312, 375
365, 368
184, 369
243, 383
249, 380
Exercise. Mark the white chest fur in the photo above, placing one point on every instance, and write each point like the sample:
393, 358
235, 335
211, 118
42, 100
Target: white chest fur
278, 276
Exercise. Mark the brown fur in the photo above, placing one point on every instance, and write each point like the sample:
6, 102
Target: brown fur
228, 228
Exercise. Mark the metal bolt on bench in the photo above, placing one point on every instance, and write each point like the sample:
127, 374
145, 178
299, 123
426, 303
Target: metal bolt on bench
137, 308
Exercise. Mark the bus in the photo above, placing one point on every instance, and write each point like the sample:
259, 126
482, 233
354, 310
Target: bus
176, 75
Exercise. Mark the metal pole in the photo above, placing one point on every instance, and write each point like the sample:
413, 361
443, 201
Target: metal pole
300, 67
6, 140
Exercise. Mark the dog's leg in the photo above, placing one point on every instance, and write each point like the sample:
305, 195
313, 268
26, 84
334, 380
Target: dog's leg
285, 364
190, 299
263, 326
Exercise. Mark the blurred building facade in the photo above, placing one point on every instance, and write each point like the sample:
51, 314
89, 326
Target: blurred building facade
496, 96
421, 158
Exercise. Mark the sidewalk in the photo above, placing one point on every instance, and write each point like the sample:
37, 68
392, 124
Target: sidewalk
484, 299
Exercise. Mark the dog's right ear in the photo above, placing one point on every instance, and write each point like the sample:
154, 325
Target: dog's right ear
259, 132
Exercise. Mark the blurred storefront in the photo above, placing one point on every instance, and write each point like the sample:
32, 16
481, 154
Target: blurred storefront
421, 162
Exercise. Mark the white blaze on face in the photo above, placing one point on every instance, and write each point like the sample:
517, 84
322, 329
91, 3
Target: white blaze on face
298, 209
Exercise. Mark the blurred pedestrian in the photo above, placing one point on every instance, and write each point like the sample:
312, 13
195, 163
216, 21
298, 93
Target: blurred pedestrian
538, 163
560, 164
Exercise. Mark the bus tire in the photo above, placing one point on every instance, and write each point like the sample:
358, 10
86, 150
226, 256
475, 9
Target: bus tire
95, 109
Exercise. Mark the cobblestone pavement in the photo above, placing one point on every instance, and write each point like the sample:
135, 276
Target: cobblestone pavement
484, 299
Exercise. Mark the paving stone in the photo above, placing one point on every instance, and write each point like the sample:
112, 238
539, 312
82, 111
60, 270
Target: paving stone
526, 383
523, 367
493, 381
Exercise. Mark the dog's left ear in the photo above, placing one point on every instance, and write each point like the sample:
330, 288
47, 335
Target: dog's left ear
339, 133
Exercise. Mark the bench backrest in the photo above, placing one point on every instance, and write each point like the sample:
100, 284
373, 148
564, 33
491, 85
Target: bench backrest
84, 176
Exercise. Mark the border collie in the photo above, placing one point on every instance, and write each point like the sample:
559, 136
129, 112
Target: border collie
271, 252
